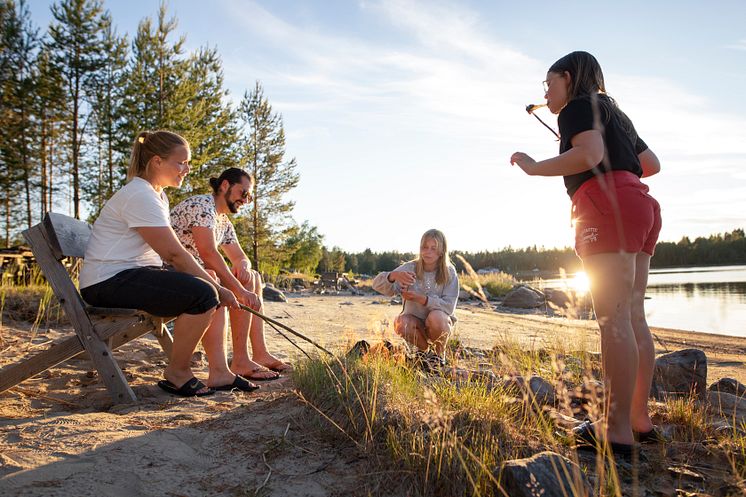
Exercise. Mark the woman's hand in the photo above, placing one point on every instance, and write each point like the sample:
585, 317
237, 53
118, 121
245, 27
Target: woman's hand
404, 278
420, 298
524, 161
227, 298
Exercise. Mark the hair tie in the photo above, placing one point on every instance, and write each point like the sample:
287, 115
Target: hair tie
141, 139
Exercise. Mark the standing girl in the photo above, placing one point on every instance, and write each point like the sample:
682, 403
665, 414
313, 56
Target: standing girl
616, 229
429, 288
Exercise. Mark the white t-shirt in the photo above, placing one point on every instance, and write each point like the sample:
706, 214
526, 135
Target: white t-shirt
115, 245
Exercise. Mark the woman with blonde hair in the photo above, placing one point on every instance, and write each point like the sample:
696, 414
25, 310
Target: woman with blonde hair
429, 290
132, 239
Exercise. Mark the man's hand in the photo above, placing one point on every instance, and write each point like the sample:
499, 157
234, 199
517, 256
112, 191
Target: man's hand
242, 271
249, 299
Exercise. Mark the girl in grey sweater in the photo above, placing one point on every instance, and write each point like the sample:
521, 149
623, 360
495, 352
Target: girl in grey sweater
429, 288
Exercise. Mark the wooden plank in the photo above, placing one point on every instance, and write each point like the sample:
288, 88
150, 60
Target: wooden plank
70, 299
164, 337
11, 376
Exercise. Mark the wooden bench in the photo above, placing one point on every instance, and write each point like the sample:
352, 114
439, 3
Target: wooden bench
327, 281
98, 330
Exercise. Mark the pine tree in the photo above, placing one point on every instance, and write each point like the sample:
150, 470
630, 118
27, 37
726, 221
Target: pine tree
78, 54
268, 223
20, 42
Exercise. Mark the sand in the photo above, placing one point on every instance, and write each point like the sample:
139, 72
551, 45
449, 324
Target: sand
60, 435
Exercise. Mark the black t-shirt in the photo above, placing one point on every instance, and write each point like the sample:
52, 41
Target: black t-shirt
620, 138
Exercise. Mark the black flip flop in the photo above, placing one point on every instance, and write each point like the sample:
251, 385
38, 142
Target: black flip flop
585, 439
654, 436
239, 383
189, 389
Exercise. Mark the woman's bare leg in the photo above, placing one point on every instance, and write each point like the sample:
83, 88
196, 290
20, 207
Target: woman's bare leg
411, 329
438, 329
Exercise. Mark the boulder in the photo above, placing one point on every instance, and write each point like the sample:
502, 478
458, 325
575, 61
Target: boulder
729, 385
542, 390
731, 407
539, 388
558, 298
680, 373
524, 297
269, 292
546, 474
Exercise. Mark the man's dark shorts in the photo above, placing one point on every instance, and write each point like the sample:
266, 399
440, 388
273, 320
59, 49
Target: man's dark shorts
159, 291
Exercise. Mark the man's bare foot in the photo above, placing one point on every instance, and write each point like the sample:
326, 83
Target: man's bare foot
273, 363
254, 371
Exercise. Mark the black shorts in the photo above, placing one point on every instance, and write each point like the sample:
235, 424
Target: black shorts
155, 290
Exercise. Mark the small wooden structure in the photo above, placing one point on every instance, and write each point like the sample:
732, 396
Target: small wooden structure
327, 281
98, 331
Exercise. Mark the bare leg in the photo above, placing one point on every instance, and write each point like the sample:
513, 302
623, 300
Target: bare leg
612, 277
214, 344
245, 326
411, 329
437, 330
645, 348
188, 330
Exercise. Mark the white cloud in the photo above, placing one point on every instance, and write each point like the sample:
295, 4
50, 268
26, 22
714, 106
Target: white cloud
444, 102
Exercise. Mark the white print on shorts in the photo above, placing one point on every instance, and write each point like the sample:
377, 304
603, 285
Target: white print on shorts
589, 235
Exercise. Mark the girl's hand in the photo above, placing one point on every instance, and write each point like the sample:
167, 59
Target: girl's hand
405, 278
523, 161
415, 296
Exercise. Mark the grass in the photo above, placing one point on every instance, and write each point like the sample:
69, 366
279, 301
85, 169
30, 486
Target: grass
451, 435
496, 284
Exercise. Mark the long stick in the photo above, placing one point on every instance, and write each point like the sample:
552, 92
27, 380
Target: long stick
284, 327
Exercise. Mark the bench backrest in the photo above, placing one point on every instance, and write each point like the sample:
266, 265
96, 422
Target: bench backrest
67, 237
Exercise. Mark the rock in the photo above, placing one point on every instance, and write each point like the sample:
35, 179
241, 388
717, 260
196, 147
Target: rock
729, 385
732, 407
558, 298
542, 390
523, 297
273, 294
680, 373
546, 474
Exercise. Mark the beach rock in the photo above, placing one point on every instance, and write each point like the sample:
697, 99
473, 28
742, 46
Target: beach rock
523, 297
732, 407
546, 474
680, 373
269, 292
558, 298
542, 390
729, 385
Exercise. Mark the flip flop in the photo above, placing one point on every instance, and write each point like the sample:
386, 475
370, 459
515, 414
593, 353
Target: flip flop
239, 383
585, 439
278, 367
189, 389
252, 374
654, 436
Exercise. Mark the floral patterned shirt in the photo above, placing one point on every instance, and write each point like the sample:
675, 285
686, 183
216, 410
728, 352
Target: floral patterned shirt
200, 210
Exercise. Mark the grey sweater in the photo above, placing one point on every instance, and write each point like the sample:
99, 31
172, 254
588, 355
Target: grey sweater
440, 297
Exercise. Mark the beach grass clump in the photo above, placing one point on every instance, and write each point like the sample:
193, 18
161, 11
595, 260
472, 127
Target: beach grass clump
445, 437
496, 284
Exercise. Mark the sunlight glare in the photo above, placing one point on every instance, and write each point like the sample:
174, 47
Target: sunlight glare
580, 282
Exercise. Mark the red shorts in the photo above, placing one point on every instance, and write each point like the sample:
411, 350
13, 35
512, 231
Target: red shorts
614, 213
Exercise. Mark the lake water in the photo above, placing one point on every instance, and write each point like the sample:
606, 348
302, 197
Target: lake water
707, 299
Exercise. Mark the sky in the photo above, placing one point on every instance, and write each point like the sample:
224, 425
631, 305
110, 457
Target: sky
403, 114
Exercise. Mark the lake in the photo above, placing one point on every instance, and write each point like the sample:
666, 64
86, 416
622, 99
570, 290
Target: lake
707, 299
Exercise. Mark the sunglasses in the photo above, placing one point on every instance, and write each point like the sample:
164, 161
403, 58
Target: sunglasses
245, 194
531, 108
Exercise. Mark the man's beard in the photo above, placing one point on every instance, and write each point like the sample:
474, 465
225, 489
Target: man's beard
231, 205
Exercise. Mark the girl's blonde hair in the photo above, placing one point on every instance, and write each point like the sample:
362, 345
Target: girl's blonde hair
442, 275
147, 145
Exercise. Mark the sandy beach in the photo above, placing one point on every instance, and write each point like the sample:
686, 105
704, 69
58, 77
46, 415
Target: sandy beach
60, 435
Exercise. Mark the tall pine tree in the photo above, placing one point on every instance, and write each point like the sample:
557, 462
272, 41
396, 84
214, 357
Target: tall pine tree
78, 53
268, 223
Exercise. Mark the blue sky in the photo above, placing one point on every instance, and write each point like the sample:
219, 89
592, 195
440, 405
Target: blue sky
411, 109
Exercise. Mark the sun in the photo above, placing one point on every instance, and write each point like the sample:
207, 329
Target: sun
580, 282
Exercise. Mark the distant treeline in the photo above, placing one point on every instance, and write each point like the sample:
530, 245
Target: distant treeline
718, 249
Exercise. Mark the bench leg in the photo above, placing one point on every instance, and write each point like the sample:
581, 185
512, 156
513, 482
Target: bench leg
164, 337
15, 374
